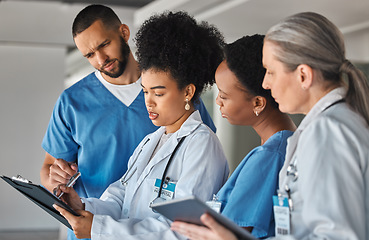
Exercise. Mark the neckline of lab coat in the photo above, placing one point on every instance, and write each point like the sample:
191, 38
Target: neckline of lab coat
292, 142
331, 97
144, 168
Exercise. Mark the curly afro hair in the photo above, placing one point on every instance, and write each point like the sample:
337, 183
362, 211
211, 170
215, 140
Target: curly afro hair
175, 43
244, 59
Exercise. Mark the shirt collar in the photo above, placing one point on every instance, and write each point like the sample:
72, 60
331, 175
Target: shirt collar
331, 97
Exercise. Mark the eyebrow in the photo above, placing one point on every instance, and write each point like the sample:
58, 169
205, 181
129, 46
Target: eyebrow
156, 87
97, 48
220, 90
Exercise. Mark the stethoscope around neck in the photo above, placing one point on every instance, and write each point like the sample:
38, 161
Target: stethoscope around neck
164, 179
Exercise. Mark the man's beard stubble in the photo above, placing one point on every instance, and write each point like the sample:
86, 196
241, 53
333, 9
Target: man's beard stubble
125, 51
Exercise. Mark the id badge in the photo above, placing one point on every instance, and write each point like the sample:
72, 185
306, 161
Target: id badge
167, 191
281, 215
214, 204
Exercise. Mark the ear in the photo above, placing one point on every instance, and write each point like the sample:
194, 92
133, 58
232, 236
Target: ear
305, 76
124, 31
190, 91
259, 104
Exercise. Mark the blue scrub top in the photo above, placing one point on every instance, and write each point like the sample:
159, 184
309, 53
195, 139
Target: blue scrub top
247, 195
91, 126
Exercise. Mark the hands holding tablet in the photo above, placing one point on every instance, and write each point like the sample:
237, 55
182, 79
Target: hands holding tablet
213, 229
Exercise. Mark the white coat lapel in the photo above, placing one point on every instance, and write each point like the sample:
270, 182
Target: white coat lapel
162, 155
147, 151
144, 169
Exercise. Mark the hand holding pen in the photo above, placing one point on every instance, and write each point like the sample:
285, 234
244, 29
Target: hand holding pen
60, 171
71, 196
70, 183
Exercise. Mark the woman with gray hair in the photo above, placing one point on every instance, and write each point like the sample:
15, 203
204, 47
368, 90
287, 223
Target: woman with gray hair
324, 183
325, 179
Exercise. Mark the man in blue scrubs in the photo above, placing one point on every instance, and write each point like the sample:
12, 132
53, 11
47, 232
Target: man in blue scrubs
98, 122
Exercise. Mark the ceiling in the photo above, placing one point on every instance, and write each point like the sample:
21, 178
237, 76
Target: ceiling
122, 3
48, 22
234, 18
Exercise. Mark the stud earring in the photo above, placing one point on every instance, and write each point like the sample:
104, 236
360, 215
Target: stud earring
187, 106
256, 113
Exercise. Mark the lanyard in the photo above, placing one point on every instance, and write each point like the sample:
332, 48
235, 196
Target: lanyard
167, 166
336, 102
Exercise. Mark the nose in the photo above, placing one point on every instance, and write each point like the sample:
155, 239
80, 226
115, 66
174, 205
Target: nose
265, 84
148, 100
101, 57
218, 101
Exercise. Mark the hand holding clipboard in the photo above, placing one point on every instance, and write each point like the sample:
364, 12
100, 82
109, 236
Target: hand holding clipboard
40, 196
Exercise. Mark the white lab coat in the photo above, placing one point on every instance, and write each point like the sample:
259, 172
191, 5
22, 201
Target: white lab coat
199, 168
331, 194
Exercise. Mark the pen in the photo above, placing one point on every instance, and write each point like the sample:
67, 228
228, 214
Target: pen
71, 181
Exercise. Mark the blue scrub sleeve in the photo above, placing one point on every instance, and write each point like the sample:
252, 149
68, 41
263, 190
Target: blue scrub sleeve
59, 135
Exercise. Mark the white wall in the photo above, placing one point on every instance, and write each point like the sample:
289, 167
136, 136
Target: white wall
31, 78
357, 46
32, 66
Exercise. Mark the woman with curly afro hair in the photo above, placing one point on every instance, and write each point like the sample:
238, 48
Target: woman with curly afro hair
175, 44
178, 58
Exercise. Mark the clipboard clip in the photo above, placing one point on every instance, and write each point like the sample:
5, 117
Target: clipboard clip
21, 179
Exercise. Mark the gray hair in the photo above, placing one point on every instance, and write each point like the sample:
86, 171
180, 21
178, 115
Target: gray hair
310, 38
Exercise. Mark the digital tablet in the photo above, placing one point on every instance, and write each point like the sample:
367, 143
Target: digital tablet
42, 197
189, 209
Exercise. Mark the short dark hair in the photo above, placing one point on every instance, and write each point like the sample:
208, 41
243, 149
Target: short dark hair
177, 44
244, 59
90, 14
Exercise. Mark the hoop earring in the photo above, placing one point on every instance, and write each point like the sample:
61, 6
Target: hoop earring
187, 106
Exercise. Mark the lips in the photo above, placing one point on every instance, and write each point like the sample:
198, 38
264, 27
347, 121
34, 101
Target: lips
153, 115
223, 115
108, 66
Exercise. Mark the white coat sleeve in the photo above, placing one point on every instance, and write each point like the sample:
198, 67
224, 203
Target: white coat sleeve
105, 227
110, 203
330, 182
108, 224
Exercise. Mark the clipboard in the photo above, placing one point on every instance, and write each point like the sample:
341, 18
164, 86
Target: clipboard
189, 209
42, 197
